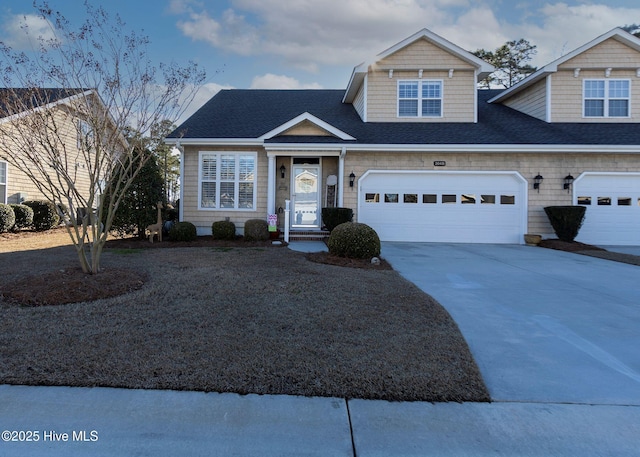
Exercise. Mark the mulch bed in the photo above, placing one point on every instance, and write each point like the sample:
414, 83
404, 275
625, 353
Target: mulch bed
568, 246
590, 250
71, 285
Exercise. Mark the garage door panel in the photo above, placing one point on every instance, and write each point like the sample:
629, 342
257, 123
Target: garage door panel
612, 202
444, 207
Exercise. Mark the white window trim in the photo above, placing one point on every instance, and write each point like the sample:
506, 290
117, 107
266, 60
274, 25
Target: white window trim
420, 98
606, 98
236, 181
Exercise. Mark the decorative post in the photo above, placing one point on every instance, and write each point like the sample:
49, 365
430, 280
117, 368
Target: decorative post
286, 220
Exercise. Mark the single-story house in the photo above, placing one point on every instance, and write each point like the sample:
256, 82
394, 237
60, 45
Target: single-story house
421, 154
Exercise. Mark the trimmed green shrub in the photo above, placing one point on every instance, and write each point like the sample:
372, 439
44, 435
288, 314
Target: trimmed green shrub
566, 220
24, 216
354, 240
45, 214
7, 218
332, 217
183, 231
223, 230
256, 230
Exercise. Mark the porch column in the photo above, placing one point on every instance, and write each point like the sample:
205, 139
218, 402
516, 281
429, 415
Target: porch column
271, 184
341, 177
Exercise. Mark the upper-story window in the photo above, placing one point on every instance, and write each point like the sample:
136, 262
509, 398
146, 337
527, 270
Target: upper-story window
606, 97
420, 98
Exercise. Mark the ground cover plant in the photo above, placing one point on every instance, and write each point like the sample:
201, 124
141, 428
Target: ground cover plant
256, 319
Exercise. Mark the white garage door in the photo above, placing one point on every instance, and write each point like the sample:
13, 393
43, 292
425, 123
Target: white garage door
436, 206
613, 208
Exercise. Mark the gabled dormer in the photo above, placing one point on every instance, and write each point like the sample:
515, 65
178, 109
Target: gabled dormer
598, 82
424, 78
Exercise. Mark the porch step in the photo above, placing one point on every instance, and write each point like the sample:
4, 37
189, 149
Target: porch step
307, 235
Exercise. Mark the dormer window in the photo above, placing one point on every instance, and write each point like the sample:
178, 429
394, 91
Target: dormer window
420, 98
606, 97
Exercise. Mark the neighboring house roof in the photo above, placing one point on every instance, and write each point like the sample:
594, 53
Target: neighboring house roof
483, 68
33, 98
617, 34
246, 116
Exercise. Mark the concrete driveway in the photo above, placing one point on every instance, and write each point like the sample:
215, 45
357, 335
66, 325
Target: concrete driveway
544, 326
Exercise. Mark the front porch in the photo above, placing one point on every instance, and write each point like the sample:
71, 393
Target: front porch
308, 181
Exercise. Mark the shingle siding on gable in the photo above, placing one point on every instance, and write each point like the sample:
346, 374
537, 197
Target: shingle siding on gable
458, 91
425, 55
567, 95
458, 96
567, 90
610, 53
306, 128
532, 102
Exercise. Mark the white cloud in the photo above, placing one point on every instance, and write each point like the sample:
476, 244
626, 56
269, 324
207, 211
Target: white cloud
203, 95
271, 81
565, 28
230, 33
22, 32
313, 35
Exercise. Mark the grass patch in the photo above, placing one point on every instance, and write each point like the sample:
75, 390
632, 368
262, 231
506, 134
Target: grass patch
264, 321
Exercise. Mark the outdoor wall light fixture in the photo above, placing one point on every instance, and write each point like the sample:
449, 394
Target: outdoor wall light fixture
568, 180
352, 179
283, 169
536, 182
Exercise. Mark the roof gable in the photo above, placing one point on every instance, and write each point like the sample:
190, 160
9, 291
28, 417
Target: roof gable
306, 118
617, 34
483, 68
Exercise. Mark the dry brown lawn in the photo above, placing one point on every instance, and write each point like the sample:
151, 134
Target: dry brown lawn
215, 317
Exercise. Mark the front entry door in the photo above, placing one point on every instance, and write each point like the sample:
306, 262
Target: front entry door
306, 197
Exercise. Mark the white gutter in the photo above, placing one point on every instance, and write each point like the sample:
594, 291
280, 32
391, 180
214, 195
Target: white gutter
336, 148
454, 148
215, 141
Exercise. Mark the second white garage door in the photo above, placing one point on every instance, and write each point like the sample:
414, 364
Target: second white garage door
613, 208
447, 206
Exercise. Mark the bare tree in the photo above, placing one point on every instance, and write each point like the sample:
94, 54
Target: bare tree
70, 141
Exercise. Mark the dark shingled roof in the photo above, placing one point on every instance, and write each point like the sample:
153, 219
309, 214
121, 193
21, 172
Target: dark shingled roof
246, 114
31, 98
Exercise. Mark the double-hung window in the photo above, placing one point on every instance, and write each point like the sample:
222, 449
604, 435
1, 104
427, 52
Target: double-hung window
420, 98
606, 97
227, 180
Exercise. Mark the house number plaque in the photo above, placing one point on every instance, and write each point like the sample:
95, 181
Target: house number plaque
439, 163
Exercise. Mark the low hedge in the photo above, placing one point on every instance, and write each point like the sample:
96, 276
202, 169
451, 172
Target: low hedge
45, 214
24, 216
7, 218
223, 230
183, 231
256, 230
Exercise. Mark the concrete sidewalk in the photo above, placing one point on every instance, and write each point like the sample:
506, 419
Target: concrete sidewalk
69, 422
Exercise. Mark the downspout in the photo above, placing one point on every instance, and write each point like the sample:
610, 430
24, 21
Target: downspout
343, 153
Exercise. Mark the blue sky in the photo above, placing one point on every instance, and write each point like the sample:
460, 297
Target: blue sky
316, 43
